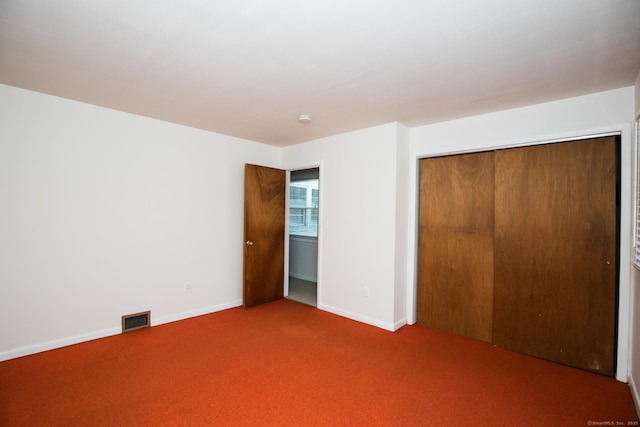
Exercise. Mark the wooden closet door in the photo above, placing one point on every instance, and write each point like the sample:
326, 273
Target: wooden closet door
455, 266
555, 252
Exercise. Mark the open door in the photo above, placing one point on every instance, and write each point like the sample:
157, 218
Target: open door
264, 233
303, 212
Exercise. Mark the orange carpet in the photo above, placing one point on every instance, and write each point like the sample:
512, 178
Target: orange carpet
285, 363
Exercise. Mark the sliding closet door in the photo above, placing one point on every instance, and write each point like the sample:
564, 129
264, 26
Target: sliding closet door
555, 252
455, 267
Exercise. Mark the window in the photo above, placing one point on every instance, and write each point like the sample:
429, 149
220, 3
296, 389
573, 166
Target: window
303, 203
296, 218
297, 195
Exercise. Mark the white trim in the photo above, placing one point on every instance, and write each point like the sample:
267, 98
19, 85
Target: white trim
285, 291
399, 324
62, 342
625, 250
362, 319
634, 158
412, 240
194, 313
77, 339
626, 228
322, 229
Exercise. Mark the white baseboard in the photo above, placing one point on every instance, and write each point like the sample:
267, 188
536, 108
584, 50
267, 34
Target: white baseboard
358, 317
634, 394
304, 277
62, 342
400, 323
77, 339
193, 313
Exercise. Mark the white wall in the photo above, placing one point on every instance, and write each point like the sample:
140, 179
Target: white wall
303, 258
610, 111
105, 213
403, 267
357, 235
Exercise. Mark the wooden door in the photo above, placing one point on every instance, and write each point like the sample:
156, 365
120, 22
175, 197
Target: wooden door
455, 267
264, 233
555, 252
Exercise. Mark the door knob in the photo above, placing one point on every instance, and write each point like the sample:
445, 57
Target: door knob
249, 243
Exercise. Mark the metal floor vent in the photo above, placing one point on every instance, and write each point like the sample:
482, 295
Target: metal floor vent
131, 322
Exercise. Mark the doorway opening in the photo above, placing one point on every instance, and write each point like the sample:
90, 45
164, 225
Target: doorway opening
304, 198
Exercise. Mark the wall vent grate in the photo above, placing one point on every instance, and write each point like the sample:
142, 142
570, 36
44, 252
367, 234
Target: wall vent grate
132, 322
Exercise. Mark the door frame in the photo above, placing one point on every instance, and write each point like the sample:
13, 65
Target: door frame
626, 223
321, 226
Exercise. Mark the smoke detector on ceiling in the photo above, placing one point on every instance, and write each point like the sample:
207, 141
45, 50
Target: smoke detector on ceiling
304, 118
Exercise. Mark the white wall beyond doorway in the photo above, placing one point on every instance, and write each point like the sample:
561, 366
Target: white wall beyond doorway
303, 258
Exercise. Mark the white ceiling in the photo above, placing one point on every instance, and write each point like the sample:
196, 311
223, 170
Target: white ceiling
248, 68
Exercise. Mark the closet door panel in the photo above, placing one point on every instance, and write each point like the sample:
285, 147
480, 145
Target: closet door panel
555, 252
455, 267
